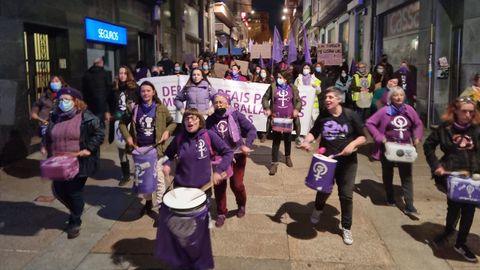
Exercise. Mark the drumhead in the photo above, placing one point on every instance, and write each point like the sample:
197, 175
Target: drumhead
325, 158
184, 198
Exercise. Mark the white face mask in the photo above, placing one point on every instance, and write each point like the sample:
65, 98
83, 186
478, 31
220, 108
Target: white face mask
263, 74
280, 81
306, 71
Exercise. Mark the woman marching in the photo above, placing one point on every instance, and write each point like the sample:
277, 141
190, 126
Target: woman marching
197, 93
283, 101
397, 122
125, 97
459, 140
184, 241
151, 126
230, 124
341, 133
73, 130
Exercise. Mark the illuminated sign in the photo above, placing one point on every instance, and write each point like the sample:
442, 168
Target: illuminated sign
105, 32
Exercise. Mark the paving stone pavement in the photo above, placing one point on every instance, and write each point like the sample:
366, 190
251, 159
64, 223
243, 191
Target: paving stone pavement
275, 233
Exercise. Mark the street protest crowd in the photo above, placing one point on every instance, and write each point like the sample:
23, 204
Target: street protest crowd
196, 123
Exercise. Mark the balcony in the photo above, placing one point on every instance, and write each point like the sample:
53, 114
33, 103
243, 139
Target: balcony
221, 29
223, 14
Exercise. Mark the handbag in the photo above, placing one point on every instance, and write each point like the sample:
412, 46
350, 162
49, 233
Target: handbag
60, 168
400, 152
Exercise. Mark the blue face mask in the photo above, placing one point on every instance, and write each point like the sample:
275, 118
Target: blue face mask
55, 86
234, 73
177, 69
318, 69
280, 81
65, 105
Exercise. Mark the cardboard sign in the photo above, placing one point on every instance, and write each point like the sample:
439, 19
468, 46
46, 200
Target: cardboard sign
265, 50
330, 54
243, 66
220, 69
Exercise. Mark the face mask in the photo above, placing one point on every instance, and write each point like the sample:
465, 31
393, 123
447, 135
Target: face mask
380, 70
65, 105
280, 81
403, 69
344, 74
220, 111
155, 74
177, 69
257, 71
306, 71
263, 75
205, 67
234, 73
318, 69
55, 86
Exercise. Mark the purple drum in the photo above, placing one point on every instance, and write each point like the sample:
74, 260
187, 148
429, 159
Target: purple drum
145, 180
321, 173
60, 168
183, 237
463, 189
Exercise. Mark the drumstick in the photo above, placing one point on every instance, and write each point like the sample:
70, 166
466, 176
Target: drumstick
206, 186
464, 173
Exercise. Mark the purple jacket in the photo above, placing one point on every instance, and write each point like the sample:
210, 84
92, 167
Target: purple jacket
194, 159
246, 127
196, 96
378, 122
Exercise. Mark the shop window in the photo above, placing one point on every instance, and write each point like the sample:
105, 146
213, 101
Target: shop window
343, 37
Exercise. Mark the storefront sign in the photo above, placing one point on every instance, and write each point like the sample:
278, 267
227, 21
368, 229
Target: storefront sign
246, 97
105, 32
330, 54
403, 20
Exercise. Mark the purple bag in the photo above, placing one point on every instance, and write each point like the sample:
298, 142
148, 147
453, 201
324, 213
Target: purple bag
463, 189
60, 168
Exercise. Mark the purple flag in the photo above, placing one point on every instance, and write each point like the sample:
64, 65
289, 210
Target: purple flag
260, 62
292, 48
353, 67
277, 47
306, 47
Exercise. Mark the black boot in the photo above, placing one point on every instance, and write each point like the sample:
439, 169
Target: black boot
147, 209
125, 173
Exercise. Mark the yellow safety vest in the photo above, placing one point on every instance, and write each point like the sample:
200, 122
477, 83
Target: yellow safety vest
356, 77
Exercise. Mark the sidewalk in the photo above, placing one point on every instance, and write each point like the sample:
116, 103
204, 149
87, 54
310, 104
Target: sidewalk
275, 233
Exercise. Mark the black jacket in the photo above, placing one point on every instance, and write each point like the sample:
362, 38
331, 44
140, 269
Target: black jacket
96, 90
91, 137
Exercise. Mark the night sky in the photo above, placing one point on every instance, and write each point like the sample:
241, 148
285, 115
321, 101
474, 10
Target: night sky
274, 7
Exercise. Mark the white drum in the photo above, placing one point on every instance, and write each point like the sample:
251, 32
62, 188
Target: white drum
399, 152
185, 199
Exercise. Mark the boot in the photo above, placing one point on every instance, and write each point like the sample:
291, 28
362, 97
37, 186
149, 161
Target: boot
126, 173
273, 169
288, 161
263, 137
147, 209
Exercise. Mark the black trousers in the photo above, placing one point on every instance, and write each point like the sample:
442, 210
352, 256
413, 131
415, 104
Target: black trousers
465, 212
277, 138
345, 174
70, 194
405, 171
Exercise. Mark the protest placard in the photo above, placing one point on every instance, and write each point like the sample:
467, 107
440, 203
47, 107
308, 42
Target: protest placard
265, 50
330, 54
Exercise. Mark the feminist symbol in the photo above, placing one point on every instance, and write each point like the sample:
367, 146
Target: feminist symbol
400, 123
222, 127
201, 148
319, 169
470, 190
283, 97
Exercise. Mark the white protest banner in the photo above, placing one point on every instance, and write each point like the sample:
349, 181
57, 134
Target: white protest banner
265, 50
245, 97
330, 54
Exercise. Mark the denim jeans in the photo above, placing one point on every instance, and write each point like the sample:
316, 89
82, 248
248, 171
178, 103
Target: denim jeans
345, 174
70, 194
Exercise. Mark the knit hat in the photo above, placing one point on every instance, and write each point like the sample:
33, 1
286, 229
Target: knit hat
70, 91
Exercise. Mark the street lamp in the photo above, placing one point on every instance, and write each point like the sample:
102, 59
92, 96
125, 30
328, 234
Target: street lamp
283, 17
285, 10
252, 12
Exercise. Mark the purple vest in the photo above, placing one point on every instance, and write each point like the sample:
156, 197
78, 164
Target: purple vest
66, 135
145, 126
283, 102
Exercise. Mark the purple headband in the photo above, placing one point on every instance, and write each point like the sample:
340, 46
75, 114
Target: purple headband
221, 94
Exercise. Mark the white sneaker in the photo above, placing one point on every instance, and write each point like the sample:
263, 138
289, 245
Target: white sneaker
315, 217
347, 236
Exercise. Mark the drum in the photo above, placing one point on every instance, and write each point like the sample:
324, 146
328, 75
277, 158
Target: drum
118, 137
60, 168
321, 173
399, 152
283, 125
463, 189
364, 100
145, 179
183, 237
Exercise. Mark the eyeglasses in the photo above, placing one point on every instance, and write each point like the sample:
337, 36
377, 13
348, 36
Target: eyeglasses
465, 99
192, 118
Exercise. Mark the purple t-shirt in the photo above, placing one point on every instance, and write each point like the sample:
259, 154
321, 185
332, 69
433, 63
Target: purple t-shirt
399, 129
145, 125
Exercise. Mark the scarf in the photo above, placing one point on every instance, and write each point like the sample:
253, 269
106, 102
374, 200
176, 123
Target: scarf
394, 111
306, 79
62, 116
233, 129
459, 127
145, 108
235, 77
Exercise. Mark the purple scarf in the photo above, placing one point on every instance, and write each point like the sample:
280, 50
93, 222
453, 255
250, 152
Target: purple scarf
233, 129
62, 116
306, 79
394, 111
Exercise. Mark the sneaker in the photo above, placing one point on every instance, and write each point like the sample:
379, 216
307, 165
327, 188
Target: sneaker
273, 169
299, 141
220, 221
73, 232
147, 209
347, 236
465, 252
412, 213
315, 217
241, 212
288, 161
